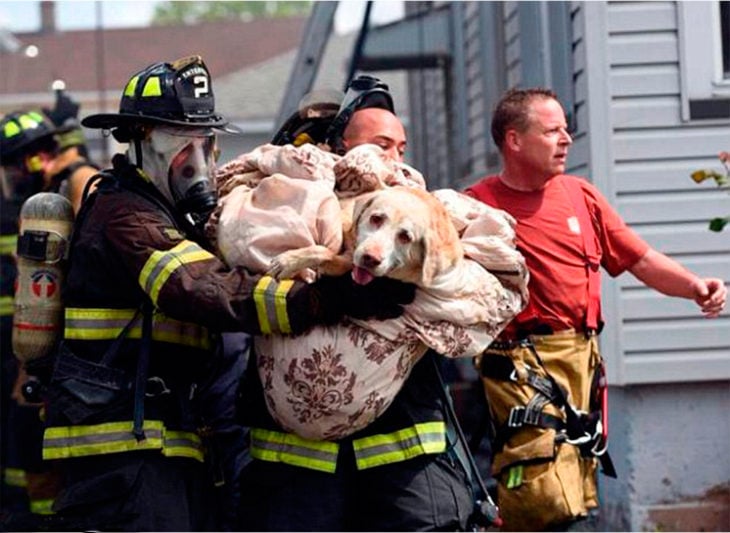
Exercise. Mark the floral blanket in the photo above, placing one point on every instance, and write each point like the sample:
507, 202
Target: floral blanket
335, 380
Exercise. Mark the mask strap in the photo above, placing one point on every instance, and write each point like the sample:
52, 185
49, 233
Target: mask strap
138, 150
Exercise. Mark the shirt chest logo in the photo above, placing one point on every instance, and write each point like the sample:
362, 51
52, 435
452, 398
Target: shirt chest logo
574, 225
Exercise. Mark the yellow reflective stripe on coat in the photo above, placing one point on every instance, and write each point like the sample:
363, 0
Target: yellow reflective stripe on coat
8, 244
291, 449
6, 306
15, 477
382, 449
115, 437
160, 266
270, 299
43, 506
106, 324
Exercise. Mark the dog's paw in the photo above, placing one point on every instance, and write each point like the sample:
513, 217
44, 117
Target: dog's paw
288, 264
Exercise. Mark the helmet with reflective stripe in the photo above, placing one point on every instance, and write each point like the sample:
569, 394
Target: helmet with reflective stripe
178, 93
22, 131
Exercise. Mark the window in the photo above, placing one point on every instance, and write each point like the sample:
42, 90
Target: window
704, 60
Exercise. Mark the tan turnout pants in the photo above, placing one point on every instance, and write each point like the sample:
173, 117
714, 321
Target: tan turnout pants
541, 482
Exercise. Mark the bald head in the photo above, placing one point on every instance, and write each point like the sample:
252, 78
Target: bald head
376, 126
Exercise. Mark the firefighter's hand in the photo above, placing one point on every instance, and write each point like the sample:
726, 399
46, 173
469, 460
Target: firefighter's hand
380, 299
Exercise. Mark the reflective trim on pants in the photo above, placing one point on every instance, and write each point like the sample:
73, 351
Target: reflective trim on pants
115, 437
375, 450
386, 448
288, 448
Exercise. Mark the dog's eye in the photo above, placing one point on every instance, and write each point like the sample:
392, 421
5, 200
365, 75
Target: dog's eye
404, 237
377, 219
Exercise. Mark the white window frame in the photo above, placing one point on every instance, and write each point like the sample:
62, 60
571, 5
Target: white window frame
701, 73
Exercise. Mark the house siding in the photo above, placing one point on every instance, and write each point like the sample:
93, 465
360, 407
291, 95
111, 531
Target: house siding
654, 152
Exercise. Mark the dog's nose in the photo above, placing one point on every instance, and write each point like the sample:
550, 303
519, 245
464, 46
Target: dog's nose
370, 261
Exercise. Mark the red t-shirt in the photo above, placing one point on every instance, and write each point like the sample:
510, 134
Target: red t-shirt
548, 235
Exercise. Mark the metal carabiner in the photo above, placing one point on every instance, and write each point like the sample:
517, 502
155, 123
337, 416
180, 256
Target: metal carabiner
600, 440
580, 440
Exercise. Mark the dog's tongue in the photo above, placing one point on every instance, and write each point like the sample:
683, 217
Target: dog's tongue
361, 276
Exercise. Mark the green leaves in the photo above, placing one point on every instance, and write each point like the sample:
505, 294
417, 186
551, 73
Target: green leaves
716, 224
722, 181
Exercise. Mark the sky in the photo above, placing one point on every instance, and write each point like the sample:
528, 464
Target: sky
24, 15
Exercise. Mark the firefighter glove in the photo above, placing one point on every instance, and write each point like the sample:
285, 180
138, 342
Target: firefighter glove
380, 299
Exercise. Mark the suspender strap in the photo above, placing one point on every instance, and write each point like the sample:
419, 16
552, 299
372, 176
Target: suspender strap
143, 363
529, 316
577, 425
497, 366
111, 353
520, 417
574, 424
590, 251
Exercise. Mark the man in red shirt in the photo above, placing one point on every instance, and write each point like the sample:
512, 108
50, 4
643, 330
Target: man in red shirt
539, 377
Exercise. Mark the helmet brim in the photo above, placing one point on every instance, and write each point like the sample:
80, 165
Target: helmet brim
110, 121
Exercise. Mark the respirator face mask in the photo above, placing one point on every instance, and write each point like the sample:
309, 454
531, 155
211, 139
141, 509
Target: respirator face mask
181, 163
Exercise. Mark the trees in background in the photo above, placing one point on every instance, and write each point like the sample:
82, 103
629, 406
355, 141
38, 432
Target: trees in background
169, 13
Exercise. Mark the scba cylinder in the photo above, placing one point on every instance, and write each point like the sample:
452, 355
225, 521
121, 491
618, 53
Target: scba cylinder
46, 222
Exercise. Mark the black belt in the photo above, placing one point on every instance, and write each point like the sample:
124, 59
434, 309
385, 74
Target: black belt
522, 337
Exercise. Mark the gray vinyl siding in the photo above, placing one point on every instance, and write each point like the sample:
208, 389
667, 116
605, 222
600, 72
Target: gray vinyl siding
428, 138
477, 114
579, 153
512, 49
663, 339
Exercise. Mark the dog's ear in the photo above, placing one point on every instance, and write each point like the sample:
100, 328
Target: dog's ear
442, 248
361, 205
431, 263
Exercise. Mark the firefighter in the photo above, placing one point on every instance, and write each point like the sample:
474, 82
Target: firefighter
405, 471
13, 496
144, 301
49, 155
28, 484
42, 150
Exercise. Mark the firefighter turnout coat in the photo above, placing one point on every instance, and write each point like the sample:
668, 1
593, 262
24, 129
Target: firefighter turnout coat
133, 260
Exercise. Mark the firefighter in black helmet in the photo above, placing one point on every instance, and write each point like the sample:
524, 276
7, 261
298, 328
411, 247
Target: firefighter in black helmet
400, 473
35, 159
145, 301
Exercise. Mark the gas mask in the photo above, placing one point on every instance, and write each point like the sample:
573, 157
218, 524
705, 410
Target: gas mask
180, 162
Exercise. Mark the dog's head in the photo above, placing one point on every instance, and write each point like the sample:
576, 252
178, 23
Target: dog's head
403, 233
